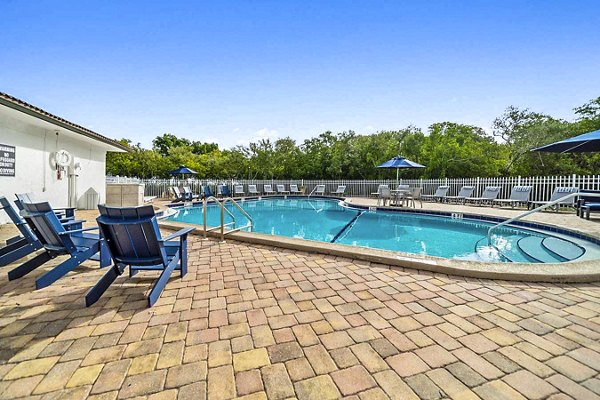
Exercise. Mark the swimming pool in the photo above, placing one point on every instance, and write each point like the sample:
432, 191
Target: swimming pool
333, 221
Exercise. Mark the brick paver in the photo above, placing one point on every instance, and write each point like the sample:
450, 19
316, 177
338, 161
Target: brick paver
255, 322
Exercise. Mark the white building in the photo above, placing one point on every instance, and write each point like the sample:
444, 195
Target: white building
61, 162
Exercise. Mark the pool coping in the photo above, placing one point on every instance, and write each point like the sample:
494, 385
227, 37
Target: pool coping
567, 272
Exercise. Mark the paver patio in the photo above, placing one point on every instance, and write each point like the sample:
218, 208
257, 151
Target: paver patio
256, 322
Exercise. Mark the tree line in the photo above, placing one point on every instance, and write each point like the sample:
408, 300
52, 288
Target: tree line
447, 149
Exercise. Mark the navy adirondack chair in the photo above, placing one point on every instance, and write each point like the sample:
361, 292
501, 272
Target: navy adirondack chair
57, 241
64, 214
134, 240
207, 192
18, 246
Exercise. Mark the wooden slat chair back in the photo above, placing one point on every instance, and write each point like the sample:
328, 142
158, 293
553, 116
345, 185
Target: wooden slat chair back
19, 246
134, 240
57, 240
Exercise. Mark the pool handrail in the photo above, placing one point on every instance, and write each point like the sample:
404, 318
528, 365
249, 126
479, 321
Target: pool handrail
540, 208
221, 204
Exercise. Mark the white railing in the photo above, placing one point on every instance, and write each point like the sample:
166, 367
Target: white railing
543, 186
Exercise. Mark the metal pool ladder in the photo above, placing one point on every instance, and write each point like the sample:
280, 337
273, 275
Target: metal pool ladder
221, 203
540, 208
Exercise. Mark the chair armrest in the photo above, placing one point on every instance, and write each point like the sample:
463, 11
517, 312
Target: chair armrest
177, 234
77, 231
72, 222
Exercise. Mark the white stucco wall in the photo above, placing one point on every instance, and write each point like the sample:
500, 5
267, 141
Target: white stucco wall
35, 142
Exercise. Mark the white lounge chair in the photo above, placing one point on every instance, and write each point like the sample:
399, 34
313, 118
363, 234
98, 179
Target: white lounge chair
465, 191
489, 195
268, 189
518, 195
439, 194
294, 189
319, 190
341, 189
558, 193
252, 190
281, 189
238, 190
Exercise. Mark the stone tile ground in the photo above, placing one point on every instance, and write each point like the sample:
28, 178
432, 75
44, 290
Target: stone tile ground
255, 323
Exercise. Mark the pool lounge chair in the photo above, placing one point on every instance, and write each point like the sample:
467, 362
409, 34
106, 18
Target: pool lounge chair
79, 245
490, 194
341, 189
268, 189
281, 189
465, 191
135, 241
439, 195
252, 190
319, 190
238, 190
518, 195
294, 189
557, 194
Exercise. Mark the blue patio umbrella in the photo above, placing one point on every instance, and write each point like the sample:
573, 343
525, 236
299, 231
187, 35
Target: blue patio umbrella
586, 143
182, 170
399, 162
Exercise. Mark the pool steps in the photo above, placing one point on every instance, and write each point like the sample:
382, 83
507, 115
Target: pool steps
529, 249
532, 246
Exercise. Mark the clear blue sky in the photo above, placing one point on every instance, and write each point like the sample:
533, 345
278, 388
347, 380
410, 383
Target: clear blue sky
232, 71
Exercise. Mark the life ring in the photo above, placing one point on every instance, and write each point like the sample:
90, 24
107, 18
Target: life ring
63, 158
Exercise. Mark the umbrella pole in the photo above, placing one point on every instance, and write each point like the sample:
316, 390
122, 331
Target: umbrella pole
397, 172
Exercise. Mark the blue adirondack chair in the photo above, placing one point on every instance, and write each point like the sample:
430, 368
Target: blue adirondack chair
18, 246
57, 240
134, 240
64, 214
206, 192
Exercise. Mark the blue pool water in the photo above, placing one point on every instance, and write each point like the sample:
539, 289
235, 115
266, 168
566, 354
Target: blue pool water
331, 221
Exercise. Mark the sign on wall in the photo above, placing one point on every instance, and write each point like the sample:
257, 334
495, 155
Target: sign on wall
7, 160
